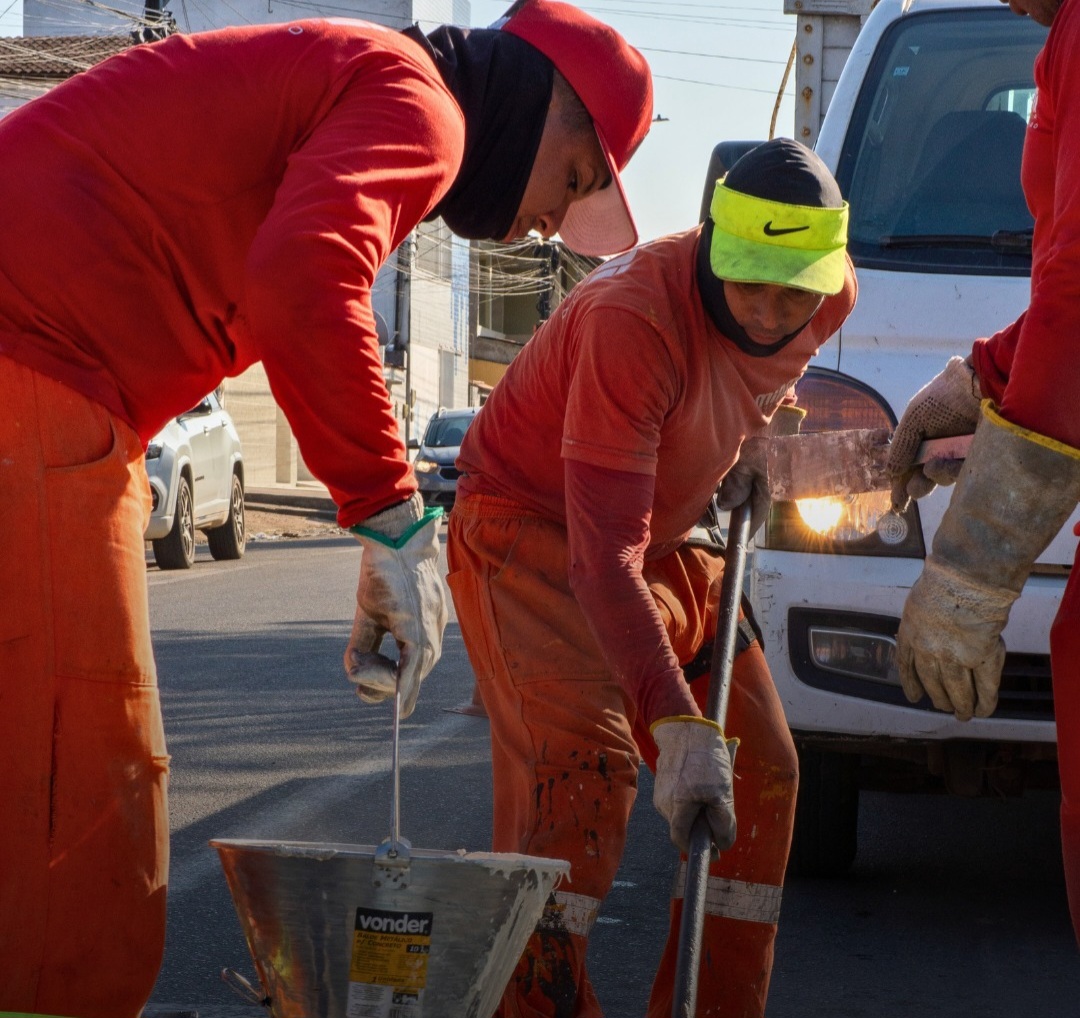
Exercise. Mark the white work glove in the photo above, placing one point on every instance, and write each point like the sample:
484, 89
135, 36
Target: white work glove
748, 478
694, 772
949, 644
400, 593
947, 405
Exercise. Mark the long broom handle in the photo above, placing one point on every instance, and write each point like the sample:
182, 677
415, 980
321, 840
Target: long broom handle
688, 966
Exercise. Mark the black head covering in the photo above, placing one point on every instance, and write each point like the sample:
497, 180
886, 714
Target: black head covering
786, 171
780, 170
503, 87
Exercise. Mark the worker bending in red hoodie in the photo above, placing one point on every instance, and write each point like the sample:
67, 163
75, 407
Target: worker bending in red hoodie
580, 600
1021, 481
170, 217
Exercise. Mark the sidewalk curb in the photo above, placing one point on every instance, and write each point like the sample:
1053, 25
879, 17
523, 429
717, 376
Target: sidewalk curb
290, 499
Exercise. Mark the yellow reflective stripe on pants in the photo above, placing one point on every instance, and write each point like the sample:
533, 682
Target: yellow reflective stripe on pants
736, 899
576, 913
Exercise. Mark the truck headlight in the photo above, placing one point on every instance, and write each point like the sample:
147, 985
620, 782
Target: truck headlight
425, 466
861, 524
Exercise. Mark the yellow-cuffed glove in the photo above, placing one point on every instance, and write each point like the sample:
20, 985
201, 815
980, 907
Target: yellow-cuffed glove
1015, 492
694, 772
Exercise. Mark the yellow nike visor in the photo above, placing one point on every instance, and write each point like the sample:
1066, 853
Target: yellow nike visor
755, 240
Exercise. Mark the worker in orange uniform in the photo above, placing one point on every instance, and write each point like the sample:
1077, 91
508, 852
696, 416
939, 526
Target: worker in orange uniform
1021, 481
580, 601
172, 216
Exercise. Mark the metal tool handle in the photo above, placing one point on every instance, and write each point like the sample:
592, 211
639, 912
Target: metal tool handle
395, 792
688, 965
392, 858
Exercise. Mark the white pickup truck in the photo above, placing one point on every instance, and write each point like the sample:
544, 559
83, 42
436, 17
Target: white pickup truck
924, 130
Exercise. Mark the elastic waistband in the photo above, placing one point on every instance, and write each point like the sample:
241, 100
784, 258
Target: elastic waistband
494, 507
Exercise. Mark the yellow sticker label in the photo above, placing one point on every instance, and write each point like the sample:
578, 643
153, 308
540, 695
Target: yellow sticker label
390, 949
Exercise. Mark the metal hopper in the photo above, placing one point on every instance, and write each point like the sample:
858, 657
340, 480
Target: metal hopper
357, 931
336, 931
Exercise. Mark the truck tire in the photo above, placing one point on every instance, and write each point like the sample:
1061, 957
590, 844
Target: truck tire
176, 550
229, 540
825, 839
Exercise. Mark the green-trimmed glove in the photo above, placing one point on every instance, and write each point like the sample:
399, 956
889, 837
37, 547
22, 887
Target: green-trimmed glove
400, 593
694, 772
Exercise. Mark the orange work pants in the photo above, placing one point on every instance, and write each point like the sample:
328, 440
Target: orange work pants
566, 746
84, 848
1065, 666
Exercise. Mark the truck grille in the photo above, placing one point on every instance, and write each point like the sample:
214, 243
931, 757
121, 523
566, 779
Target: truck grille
1026, 689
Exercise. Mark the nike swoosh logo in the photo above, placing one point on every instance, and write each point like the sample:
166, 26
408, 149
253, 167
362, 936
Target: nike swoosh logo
770, 232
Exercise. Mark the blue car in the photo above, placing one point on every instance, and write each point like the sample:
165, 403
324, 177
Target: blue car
436, 474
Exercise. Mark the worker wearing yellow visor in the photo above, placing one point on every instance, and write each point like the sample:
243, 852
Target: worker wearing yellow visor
589, 616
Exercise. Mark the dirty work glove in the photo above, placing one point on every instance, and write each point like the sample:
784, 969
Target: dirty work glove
400, 593
1014, 493
748, 478
693, 772
947, 405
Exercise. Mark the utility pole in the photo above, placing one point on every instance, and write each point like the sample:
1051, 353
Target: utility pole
159, 23
404, 291
545, 303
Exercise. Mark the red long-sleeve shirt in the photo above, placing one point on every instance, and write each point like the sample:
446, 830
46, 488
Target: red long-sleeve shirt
1031, 368
190, 207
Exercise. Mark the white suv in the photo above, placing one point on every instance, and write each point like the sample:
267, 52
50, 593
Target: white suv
924, 134
196, 474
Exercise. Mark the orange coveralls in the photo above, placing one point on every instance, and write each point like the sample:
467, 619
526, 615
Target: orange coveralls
83, 766
628, 390
180, 216
566, 751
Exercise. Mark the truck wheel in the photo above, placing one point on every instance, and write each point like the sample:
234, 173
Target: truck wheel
176, 550
228, 540
826, 814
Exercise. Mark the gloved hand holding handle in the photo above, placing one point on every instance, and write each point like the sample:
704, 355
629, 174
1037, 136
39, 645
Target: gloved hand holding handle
748, 479
1015, 491
694, 770
947, 405
401, 593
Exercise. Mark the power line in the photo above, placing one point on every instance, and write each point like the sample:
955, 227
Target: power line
711, 56
717, 84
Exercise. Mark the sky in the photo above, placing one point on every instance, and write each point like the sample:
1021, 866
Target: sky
717, 68
10, 17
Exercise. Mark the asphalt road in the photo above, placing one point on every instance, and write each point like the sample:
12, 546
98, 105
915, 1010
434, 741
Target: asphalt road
954, 909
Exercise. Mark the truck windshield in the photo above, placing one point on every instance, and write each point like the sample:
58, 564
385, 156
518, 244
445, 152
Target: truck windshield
931, 161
